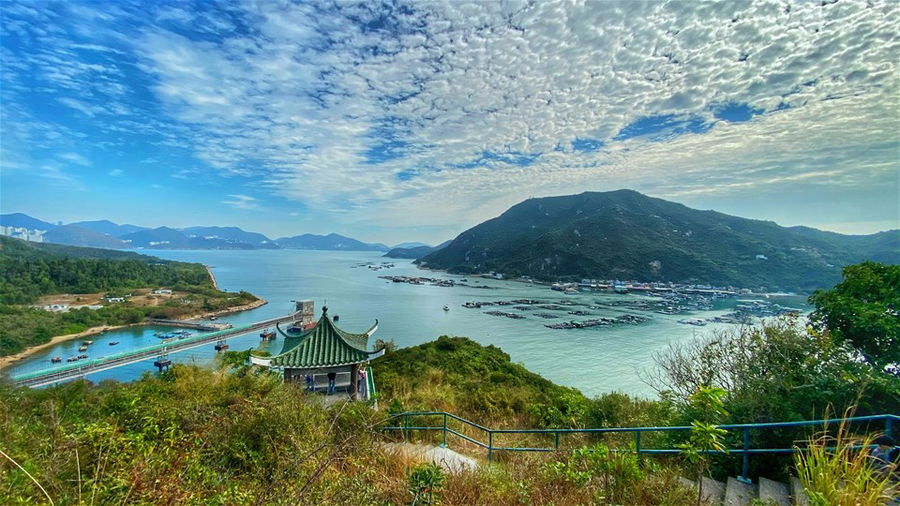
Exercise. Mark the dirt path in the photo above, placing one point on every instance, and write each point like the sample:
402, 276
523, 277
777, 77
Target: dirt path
10, 360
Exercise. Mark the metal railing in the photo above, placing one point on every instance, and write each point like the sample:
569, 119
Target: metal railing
745, 451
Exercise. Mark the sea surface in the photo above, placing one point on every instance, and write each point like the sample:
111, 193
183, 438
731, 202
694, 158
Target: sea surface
594, 360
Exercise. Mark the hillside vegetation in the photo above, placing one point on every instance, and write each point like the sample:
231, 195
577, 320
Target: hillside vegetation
30, 270
240, 435
626, 235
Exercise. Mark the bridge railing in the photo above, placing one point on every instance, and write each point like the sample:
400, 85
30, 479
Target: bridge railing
402, 423
87, 365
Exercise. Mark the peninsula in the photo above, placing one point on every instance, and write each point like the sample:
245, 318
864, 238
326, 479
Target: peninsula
51, 293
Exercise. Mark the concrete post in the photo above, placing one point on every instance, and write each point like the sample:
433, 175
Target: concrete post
354, 381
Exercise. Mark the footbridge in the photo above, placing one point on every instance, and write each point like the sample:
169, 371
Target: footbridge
83, 367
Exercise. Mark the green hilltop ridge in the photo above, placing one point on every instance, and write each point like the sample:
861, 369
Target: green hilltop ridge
627, 235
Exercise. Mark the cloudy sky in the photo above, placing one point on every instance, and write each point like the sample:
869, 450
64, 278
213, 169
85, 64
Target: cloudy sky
415, 121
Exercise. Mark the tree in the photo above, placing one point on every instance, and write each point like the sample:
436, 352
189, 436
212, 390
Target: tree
705, 435
863, 310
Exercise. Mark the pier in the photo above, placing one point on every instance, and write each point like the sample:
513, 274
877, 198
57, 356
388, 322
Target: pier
159, 351
186, 324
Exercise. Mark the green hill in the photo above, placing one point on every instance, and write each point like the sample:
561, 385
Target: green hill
626, 235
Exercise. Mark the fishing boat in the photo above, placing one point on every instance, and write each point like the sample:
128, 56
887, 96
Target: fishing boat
56, 360
267, 334
113, 343
82, 348
82, 355
87, 343
446, 307
72, 359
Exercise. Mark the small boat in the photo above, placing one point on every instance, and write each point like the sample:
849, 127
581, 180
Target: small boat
83, 348
82, 356
113, 343
72, 359
56, 360
221, 347
446, 307
267, 334
87, 343
213, 318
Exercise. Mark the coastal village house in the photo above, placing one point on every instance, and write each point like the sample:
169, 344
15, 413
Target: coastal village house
325, 358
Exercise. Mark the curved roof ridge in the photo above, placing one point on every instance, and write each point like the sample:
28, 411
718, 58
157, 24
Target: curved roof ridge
355, 341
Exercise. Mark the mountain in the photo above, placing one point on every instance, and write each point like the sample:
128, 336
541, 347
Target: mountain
231, 234
24, 221
407, 245
73, 235
626, 235
416, 252
162, 237
169, 238
328, 242
109, 228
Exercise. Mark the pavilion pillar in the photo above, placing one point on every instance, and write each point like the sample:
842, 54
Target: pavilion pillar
354, 381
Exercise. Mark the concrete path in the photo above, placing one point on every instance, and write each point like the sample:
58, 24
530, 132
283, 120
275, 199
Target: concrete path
446, 458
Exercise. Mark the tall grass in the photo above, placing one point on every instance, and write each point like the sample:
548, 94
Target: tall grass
840, 471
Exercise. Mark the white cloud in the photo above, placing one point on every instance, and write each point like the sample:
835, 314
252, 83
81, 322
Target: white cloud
329, 104
245, 202
76, 159
116, 172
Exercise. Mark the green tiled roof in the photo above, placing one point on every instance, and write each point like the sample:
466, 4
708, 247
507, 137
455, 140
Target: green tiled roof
323, 345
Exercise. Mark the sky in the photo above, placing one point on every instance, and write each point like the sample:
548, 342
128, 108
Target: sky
413, 121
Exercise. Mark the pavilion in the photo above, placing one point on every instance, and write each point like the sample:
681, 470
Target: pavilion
315, 354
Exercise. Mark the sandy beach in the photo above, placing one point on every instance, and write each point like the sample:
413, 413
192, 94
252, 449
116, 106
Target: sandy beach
12, 359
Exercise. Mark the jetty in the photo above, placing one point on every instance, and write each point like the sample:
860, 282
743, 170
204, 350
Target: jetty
189, 324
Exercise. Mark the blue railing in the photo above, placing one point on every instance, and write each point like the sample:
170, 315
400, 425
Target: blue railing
745, 451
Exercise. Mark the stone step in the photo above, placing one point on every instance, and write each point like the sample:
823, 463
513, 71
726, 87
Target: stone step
713, 491
798, 493
738, 493
774, 492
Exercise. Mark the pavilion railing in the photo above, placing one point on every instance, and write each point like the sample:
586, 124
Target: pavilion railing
401, 422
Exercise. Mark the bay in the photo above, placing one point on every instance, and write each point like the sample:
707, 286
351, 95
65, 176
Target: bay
594, 360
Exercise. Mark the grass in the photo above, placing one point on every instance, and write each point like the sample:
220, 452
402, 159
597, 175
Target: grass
839, 470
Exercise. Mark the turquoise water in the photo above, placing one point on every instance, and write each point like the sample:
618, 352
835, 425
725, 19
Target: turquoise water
594, 360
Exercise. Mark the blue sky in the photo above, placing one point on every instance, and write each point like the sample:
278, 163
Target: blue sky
414, 121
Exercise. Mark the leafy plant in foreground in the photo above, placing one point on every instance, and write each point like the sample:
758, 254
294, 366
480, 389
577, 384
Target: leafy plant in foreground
424, 483
705, 435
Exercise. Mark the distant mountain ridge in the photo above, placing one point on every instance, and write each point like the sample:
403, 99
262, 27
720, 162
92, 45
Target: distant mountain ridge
107, 234
328, 242
416, 252
233, 235
74, 235
109, 228
626, 235
24, 221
